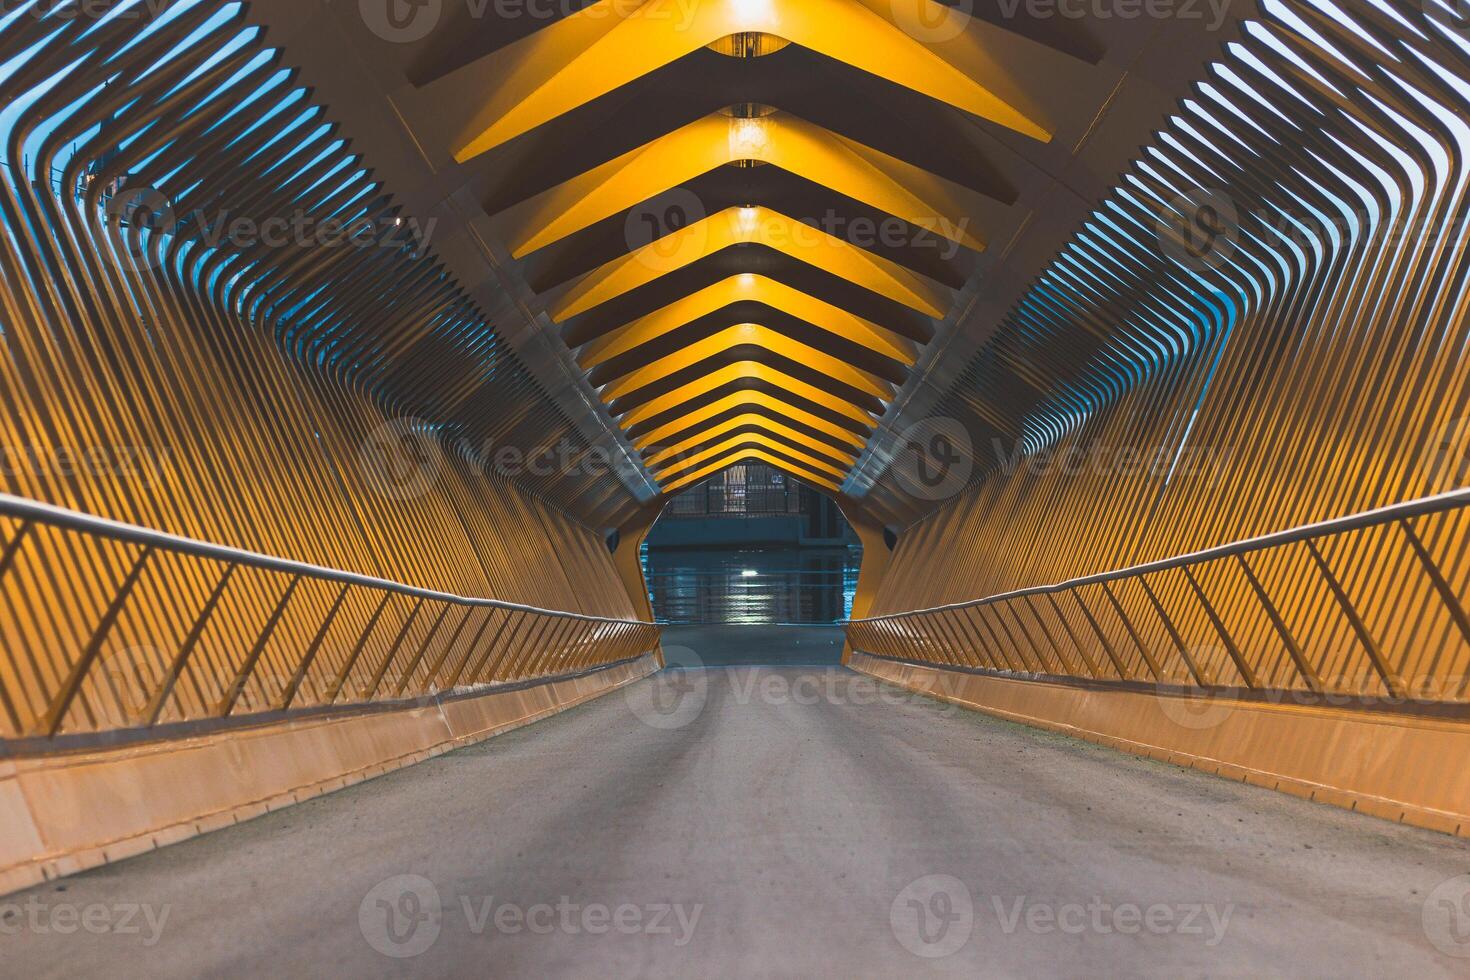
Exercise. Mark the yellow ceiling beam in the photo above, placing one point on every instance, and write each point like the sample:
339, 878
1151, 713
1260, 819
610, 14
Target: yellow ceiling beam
677, 467
878, 180
741, 399
753, 226
736, 336
736, 372
667, 454
800, 472
734, 289
613, 42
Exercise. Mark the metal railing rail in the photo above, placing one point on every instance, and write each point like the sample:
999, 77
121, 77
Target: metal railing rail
60, 517
961, 635
527, 642
1353, 522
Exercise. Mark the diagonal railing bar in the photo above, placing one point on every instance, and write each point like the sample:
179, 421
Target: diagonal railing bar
977, 634
1422, 507
60, 517
543, 643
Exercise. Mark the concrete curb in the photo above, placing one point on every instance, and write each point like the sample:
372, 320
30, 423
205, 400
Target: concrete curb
68, 812
1397, 767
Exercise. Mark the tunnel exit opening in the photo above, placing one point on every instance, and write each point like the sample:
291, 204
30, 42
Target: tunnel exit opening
752, 546
752, 566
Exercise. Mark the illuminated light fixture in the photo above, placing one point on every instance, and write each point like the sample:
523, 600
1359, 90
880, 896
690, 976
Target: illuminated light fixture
604, 46
750, 139
748, 44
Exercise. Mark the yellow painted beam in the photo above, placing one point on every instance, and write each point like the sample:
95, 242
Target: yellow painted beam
737, 288
684, 445
735, 372
608, 44
753, 226
799, 472
883, 182
677, 467
675, 429
736, 336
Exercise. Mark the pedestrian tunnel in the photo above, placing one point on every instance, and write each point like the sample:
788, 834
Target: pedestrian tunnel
358, 360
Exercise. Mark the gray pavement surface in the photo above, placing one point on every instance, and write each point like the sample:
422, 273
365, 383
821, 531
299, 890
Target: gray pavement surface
721, 645
768, 822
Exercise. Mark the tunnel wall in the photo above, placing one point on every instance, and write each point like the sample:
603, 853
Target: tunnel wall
265, 461
217, 324
1262, 329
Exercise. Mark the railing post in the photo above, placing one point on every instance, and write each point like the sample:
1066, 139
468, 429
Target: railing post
492, 661
186, 649
1107, 647
1375, 656
1030, 640
289, 694
1199, 677
1247, 673
1002, 653
1040, 622
419, 655
12, 547
7, 558
242, 676
372, 689
1076, 641
1446, 594
431, 676
1273, 614
1010, 641
357, 649
472, 652
51, 723
1137, 640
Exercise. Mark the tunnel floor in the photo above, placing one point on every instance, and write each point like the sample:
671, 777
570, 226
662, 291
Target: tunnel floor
768, 821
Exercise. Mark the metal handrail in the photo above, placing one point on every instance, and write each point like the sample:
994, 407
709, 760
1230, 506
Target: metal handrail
1353, 522
61, 517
